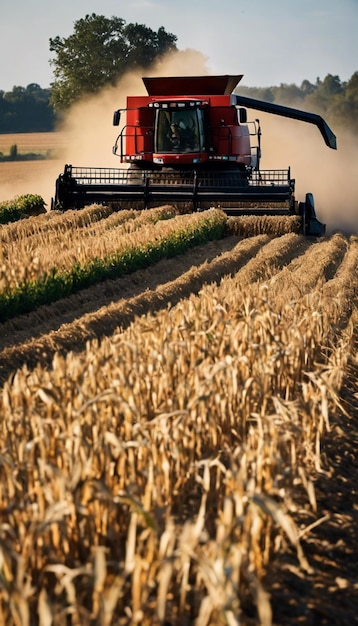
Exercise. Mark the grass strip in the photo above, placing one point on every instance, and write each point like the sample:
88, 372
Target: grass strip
55, 284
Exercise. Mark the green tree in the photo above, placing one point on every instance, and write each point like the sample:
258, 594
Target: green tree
287, 94
344, 109
99, 51
260, 93
26, 109
325, 94
307, 88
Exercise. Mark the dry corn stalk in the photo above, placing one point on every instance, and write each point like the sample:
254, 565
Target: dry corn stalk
150, 477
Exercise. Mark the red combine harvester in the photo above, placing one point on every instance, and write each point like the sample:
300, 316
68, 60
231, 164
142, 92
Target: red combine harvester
189, 141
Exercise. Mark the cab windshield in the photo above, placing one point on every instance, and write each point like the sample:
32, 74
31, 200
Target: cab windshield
178, 131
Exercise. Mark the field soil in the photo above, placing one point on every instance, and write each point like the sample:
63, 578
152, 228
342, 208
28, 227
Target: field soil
39, 143
33, 177
29, 177
328, 594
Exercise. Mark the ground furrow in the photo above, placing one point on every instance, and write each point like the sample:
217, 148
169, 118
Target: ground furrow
68, 324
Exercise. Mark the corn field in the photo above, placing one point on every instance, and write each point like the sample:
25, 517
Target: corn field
156, 428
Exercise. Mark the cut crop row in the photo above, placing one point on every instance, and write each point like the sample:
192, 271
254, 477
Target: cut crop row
152, 477
39, 284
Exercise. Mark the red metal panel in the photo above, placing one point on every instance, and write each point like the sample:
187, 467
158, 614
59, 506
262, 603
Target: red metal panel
191, 85
139, 130
135, 102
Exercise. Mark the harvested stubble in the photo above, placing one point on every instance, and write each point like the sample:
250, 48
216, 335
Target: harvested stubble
250, 225
150, 477
241, 260
49, 225
55, 221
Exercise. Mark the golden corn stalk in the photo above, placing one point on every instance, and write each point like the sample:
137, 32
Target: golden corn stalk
151, 477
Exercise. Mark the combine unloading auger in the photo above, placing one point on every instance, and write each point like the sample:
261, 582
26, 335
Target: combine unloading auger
189, 142
296, 114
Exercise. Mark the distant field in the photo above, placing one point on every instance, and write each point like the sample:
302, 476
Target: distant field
20, 172
39, 143
38, 177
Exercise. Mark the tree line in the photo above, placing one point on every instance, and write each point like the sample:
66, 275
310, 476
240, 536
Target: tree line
335, 100
26, 110
100, 50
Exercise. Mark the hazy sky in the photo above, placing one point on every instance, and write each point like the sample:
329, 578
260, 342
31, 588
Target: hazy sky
269, 41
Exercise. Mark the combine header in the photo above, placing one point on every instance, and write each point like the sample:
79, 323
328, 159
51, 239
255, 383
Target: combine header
189, 142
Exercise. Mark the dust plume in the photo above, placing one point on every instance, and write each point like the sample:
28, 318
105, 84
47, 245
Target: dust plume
89, 136
88, 131
88, 125
331, 175
29, 177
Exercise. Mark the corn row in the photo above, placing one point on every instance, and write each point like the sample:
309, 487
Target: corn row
53, 221
22, 263
132, 253
149, 476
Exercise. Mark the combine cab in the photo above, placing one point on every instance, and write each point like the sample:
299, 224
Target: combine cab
189, 142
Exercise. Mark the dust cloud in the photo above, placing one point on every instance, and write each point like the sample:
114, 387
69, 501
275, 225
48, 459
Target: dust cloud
88, 130
331, 175
88, 125
29, 177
